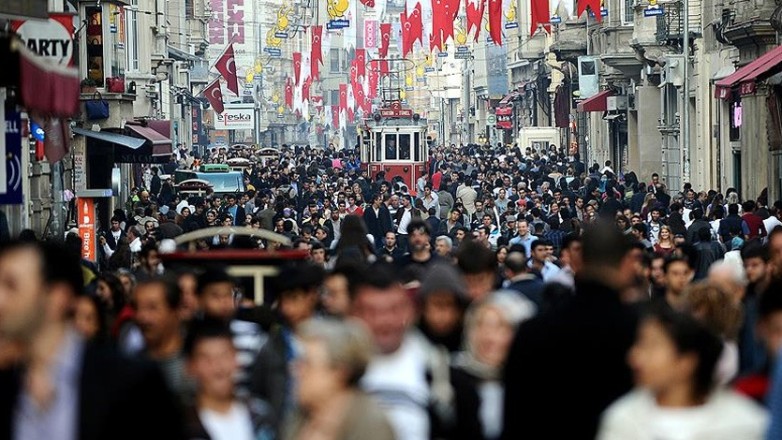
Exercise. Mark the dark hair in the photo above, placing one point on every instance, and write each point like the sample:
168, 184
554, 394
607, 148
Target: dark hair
102, 335
691, 337
212, 275
203, 329
59, 264
379, 275
117, 291
516, 261
474, 258
604, 245
173, 294
733, 208
676, 259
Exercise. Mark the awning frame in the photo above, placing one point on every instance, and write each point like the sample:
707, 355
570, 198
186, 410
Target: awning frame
745, 78
595, 103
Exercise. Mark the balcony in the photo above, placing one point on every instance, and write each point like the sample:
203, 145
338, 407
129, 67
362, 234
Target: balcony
120, 109
570, 41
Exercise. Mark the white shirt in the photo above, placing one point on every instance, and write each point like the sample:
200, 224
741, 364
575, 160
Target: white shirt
236, 424
398, 383
725, 416
405, 221
770, 223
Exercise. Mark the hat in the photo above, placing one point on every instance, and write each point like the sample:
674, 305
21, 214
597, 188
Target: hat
443, 278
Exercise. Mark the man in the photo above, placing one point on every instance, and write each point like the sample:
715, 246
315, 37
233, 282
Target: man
216, 301
378, 219
155, 184
403, 218
638, 231
216, 411
108, 242
445, 199
754, 221
539, 260
478, 266
443, 245
157, 304
521, 280
698, 223
235, 211
572, 262
408, 376
523, 236
467, 195
678, 274
64, 387
593, 325
420, 251
390, 252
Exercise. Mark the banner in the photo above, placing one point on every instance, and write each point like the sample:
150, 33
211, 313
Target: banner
370, 34
11, 174
504, 118
86, 216
236, 117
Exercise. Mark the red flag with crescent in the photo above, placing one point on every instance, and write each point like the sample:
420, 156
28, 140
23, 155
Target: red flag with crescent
288, 93
436, 39
316, 57
361, 59
416, 25
539, 11
373, 80
495, 21
343, 97
297, 67
385, 39
593, 5
353, 71
406, 42
214, 95
451, 9
351, 115
226, 65
368, 3
475, 16
383, 68
305, 89
334, 116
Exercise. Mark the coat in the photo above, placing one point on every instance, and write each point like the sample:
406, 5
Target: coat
570, 361
363, 419
379, 224
119, 398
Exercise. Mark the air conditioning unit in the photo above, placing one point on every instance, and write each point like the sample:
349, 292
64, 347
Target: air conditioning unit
616, 103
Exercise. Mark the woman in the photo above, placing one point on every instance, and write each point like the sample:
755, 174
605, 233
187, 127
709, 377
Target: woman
623, 224
111, 292
489, 329
665, 245
649, 201
674, 359
89, 318
211, 218
334, 357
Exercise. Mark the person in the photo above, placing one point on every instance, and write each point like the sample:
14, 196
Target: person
678, 274
664, 245
443, 245
489, 328
215, 293
594, 325
216, 412
524, 236
674, 358
520, 279
378, 219
89, 318
157, 302
478, 267
390, 252
420, 251
331, 405
46, 398
335, 298
417, 408
443, 299
539, 259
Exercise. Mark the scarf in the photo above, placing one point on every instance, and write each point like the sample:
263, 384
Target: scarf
467, 361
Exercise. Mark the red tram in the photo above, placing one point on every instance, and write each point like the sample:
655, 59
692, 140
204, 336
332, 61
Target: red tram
393, 140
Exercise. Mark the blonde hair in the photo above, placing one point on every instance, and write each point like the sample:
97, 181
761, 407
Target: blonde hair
715, 308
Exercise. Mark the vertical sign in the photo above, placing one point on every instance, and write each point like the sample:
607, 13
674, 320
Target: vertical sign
11, 161
86, 207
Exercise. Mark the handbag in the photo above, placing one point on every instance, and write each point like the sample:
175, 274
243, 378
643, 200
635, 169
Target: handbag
96, 108
115, 84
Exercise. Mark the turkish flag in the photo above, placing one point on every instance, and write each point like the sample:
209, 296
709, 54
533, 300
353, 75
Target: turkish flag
288, 93
316, 56
539, 11
214, 95
361, 59
451, 10
593, 5
351, 115
373, 80
353, 71
495, 21
297, 67
438, 23
226, 65
334, 116
305, 89
416, 25
385, 38
406, 43
475, 16
383, 68
343, 97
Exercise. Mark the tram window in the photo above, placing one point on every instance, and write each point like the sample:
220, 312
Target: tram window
417, 146
391, 147
378, 147
404, 147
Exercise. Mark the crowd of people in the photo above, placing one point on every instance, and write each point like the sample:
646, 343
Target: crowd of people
507, 293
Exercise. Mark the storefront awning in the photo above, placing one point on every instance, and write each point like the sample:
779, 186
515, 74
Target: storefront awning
509, 97
127, 149
746, 77
597, 103
161, 145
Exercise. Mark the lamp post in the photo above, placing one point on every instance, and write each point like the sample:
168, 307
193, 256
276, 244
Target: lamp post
684, 150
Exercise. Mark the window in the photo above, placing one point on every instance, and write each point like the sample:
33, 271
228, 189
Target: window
736, 113
418, 147
391, 147
334, 60
94, 45
378, 148
627, 11
131, 27
404, 147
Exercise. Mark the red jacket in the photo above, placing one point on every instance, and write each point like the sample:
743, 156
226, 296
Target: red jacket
755, 223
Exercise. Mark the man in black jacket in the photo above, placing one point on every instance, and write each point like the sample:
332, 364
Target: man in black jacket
571, 361
57, 385
378, 219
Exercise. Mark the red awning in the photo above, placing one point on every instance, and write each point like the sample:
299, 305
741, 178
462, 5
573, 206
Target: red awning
161, 145
766, 65
46, 89
597, 103
509, 97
